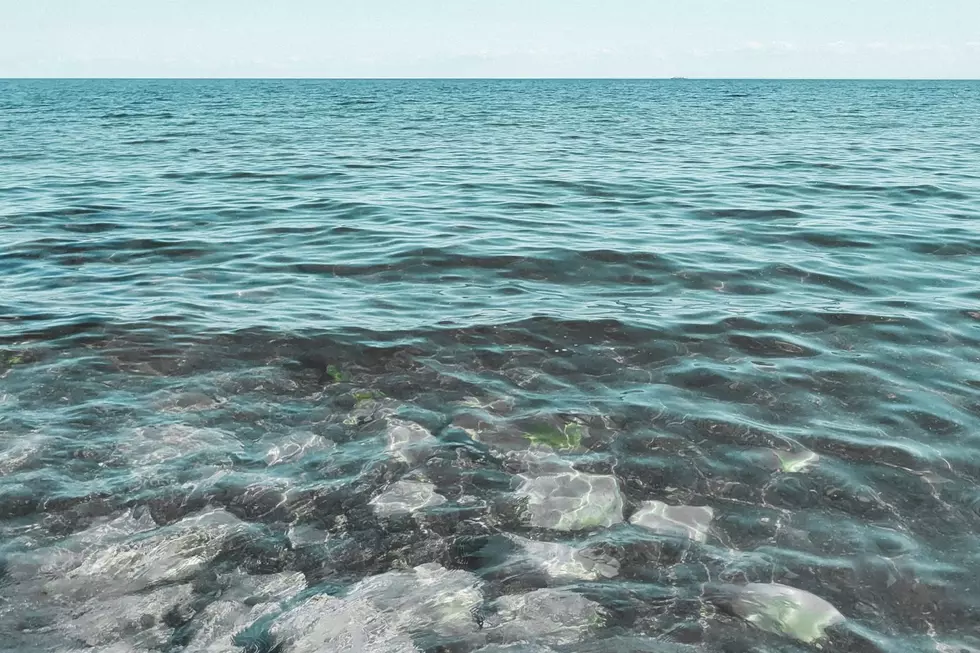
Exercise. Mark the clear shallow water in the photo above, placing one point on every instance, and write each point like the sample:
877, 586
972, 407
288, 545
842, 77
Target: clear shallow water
428, 353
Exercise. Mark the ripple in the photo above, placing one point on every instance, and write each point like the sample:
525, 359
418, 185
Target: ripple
605, 365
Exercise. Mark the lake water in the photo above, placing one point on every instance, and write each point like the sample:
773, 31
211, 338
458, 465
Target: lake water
508, 366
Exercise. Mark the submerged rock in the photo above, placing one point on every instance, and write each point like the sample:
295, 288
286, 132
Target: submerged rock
244, 600
691, 522
41, 562
520, 647
219, 623
260, 588
550, 617
793, 462
562, 561
297, 446
383, 613
369, 406
23, 453
325, 624
538, 461
634, 644
301, 535
141, 620
255, 496
782, 609
572, 501
169, 555
498, 405
958, 647
129, 555
568, 437
408, 441
488, 428
156, 445
406, 497
428, 597
183, 402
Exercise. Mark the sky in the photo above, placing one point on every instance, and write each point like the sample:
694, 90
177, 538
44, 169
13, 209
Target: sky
491, 38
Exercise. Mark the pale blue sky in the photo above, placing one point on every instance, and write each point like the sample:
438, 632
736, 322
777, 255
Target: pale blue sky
490, 38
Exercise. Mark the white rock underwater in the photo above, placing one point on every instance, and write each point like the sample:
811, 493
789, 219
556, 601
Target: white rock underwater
379, 614
565, 562
691, 522
406, 497
552, 617
572, 501
782, 609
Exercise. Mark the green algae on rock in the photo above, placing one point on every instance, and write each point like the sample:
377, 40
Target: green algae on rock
792, 462
569, 437
334, 374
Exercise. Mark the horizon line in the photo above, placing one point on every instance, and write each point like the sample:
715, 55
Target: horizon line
500, 78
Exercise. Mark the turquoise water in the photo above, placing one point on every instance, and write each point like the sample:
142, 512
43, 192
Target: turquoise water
262, 341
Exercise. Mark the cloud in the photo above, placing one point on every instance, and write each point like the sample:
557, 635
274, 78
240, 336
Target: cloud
761, 46
840, 47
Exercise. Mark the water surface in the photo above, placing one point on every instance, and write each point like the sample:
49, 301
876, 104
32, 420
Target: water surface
523, 365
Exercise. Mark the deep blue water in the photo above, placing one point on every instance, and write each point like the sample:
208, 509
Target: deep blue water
402, 365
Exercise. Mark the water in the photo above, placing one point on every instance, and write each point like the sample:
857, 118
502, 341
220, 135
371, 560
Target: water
445, 365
